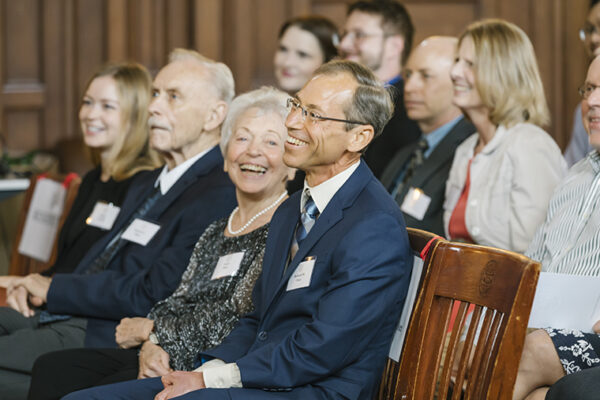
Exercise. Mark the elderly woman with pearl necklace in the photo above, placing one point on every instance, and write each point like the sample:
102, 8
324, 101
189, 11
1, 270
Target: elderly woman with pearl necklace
216, 287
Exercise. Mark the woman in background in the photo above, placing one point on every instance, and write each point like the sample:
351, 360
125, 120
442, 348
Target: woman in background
304, 44
114, 121
502, 177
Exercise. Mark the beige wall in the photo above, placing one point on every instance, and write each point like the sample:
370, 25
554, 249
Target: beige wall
49, 47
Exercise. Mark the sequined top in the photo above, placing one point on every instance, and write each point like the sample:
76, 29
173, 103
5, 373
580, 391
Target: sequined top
202, 311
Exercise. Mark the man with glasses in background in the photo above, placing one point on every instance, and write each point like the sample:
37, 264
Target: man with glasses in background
335, 270
379, 35
579, 145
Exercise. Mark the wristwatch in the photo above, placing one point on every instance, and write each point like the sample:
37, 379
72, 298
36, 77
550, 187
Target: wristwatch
153, 338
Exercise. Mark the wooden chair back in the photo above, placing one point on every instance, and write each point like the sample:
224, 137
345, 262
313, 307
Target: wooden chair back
501, 286
21, 264
422, 243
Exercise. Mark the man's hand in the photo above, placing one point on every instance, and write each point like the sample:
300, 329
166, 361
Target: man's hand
179, 383
596, 327
16, 298
154, 361
132, 332
37, 285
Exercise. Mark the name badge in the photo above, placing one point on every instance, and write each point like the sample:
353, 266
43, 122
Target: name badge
140, 231
301, 276
227, 265
415, 203
103, 215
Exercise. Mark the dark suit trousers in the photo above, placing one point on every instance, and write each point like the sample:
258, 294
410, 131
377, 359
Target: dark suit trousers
143, 389
583, 385
62, 372
22, 340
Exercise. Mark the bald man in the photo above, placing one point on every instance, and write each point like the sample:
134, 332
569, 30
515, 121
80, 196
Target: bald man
416, 176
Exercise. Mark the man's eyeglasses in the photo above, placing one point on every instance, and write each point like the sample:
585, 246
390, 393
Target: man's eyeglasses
587, 31
586, 90
359, 36
294, 105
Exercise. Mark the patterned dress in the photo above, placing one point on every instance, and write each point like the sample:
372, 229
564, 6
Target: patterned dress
202, 311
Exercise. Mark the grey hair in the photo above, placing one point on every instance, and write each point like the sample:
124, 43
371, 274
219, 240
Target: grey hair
266, 99
221, 75
371, 102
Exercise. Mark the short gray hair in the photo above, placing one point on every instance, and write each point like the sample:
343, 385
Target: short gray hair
221, 75
266, 99
371, 102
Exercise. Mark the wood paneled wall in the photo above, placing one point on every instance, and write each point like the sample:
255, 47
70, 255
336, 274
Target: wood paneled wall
48, 48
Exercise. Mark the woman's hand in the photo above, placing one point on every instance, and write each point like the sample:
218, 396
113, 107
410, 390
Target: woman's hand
132, 332
153, 361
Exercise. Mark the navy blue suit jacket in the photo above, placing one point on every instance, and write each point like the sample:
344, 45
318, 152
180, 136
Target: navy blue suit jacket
332, 337
139, 276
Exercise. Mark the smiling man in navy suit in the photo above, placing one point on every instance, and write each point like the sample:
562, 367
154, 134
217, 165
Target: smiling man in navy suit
141, 259
335, 270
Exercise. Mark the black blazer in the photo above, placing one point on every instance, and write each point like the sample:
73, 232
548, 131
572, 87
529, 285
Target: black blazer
430, 176
399, 132
139, 276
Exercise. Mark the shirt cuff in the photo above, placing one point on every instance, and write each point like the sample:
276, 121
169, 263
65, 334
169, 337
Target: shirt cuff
215, 362
223, 376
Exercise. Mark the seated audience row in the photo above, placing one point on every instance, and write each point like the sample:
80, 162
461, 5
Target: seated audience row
336, 255
209, 300
320, 282
331, 159
141, 259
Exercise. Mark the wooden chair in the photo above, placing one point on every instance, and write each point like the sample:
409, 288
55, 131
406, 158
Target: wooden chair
501, 285
422, 243
21, 264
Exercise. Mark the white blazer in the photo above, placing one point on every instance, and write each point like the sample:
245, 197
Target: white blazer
512, 180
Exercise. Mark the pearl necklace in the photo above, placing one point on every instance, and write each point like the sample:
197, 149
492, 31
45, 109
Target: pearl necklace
251, 220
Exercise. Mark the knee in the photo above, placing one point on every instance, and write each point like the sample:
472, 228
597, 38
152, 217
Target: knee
538, 348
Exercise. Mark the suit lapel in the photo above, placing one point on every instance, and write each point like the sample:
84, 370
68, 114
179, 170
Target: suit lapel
332, 214
201, 167
282, 232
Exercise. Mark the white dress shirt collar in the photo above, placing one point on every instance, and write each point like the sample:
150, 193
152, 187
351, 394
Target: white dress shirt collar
324, 192
167, 178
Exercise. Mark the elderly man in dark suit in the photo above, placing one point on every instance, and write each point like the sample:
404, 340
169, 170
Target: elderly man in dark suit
335, 270
140, 261
416, 176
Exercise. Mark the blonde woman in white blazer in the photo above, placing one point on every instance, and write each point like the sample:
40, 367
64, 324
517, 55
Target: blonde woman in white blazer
512, 164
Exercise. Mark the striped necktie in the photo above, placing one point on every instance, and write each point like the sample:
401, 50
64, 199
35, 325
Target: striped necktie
416, 159
308, 217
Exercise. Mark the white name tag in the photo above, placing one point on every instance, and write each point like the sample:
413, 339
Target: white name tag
140, 231
103, 215
301, 276
227, 265
415, 203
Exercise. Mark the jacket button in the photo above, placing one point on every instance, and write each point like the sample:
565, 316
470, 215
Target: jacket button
262, 336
